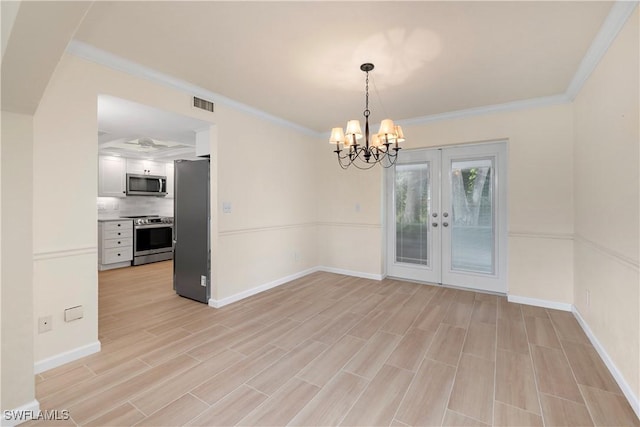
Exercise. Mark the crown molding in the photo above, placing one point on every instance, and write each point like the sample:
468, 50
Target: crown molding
618, 15
488, 109
101, 57
615, 21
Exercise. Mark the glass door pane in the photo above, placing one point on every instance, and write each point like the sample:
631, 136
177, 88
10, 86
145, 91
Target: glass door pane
412, 214
413, 217
472, 216
474, 232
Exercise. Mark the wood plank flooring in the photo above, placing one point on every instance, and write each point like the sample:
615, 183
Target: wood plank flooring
331, 350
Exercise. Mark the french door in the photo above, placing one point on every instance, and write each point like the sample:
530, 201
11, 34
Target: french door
446, 216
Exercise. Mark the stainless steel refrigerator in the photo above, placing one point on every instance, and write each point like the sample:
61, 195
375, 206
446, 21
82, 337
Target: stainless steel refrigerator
191, 230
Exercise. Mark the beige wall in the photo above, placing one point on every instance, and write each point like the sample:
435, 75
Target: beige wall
265, 170
349, 215
17, 381
267, 173
606, 210
539, 192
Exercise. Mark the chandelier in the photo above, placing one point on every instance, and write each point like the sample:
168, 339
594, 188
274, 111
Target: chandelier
381, 147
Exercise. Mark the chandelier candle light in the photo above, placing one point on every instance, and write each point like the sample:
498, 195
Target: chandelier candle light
381, 148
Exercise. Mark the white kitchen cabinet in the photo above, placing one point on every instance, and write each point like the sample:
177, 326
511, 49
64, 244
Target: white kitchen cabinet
145, 167
111, 177
169, 168
115, 244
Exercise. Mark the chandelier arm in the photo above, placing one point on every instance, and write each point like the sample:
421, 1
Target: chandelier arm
367, 165
343, 165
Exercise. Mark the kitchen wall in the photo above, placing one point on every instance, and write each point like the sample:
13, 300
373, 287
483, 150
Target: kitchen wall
606, 212
110, 207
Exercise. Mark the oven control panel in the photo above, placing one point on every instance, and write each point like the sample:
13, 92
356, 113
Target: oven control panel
153, 220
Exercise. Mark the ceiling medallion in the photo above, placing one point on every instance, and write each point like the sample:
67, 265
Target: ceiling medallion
381, 148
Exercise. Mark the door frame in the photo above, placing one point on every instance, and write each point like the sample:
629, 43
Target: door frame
501, 147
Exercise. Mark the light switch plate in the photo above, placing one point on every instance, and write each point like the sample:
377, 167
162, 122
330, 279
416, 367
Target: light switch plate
73, 313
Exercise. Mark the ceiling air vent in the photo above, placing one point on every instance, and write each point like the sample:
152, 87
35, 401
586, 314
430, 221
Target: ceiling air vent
202, 104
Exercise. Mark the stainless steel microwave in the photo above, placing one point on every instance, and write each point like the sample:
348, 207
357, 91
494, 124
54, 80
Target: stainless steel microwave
146, 185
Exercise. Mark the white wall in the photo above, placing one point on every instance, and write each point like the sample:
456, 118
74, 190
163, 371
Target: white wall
606, 214
110, 207
17, 381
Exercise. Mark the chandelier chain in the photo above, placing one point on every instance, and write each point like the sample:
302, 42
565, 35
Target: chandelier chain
366, 97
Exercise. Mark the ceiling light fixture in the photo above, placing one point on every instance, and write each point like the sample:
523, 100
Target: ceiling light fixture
381, 148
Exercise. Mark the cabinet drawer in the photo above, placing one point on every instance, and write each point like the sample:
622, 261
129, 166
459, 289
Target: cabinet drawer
118, 225
113, 255
117, 234
125, 242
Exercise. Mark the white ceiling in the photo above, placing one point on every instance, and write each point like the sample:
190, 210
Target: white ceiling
300, 60
120, 121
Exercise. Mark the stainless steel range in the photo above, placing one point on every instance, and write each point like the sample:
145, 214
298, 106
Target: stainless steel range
152, 238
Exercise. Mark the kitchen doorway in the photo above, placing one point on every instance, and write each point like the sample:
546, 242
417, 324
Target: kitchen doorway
447, 216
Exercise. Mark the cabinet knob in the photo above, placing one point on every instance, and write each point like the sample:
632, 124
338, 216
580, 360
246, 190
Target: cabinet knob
119, 225
119, 234
119, 243
118, 254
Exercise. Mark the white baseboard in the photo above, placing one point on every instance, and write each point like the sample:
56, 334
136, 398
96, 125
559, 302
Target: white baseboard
617, 375
351, 273
261, 288
66, 357
21, 414
564, 306
253, 291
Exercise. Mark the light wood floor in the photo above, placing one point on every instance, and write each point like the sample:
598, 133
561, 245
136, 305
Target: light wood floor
327, 350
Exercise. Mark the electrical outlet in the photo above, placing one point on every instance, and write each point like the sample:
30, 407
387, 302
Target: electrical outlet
45, 324
203, 281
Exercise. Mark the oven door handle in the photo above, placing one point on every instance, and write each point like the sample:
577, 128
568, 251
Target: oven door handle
142, 227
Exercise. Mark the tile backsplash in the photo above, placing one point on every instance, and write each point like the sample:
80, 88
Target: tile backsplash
134, 205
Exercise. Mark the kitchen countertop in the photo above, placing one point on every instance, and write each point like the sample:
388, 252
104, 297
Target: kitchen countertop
113, 218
